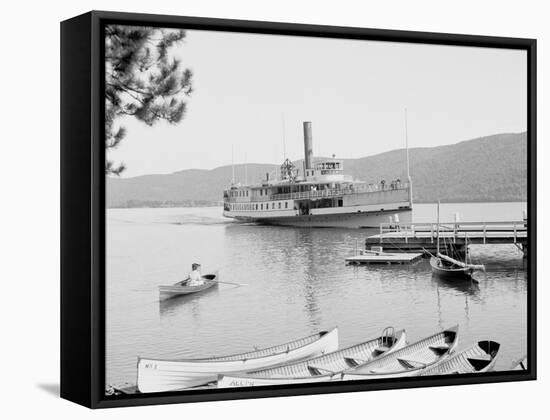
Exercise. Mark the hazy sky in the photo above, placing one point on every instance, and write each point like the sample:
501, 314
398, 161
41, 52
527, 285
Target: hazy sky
354, 92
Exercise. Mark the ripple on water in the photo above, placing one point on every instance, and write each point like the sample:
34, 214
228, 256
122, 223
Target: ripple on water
297, 284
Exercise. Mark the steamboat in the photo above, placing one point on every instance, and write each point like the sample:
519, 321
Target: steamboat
320, 195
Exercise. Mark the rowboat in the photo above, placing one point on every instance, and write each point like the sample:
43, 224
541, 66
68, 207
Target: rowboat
408, 361
180, 288
520, 364
319, 369
156, 375
477, 359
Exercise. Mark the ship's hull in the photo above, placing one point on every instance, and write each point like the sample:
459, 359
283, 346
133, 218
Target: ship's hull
353, 220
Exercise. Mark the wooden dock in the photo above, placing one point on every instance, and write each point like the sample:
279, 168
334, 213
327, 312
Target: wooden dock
380, 257
422, 237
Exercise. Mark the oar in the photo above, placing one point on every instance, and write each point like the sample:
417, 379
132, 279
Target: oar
227, 282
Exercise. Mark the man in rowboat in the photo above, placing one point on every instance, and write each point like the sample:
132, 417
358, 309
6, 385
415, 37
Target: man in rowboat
195, 277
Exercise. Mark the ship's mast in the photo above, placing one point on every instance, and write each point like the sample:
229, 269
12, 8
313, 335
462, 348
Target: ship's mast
438, 202
245, 170
232, 167
409, 179
284, 137
308, 147
407, 143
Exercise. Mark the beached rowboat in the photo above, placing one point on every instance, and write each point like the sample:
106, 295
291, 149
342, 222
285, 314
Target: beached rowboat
180, 288
318, 369
520, 364
408, 361
156, 375
477, 359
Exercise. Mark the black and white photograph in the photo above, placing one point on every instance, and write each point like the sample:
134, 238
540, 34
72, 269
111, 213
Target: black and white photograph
285, 209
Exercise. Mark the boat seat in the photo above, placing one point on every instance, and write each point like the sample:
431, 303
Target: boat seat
479, 363
380, 350
353, 362
440, 349
411, 364
314, 370
440, 346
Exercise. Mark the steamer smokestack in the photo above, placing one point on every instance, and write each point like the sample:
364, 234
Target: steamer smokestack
308, 146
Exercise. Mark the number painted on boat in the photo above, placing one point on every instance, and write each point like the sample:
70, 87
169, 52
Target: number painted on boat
241, 383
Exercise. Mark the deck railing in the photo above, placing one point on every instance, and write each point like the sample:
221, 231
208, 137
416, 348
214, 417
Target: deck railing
333, 192
456, 230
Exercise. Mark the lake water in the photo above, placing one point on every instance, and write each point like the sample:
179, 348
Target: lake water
297, 284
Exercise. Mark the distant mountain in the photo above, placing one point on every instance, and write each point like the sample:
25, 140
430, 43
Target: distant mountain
492, 168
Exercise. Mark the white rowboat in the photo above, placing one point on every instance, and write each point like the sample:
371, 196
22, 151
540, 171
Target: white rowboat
408, 361
156, 375
477, 359
319, 369
181, 288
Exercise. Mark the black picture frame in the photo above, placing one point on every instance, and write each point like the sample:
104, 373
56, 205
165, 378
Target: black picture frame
83, 206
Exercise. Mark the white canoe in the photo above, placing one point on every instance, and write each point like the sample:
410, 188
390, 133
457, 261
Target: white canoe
408, 361
319, 369
477, 359
156, 375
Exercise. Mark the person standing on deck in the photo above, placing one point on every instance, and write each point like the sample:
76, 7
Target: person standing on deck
195, 277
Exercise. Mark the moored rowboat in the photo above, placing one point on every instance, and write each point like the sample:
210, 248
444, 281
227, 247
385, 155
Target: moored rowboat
408, 361
180, 288
156, 375
319, 369
477, 359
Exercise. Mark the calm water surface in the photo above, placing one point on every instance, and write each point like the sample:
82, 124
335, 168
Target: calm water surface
297, 284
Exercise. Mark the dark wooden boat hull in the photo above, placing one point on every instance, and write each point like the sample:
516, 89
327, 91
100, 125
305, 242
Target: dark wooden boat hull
464, 273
